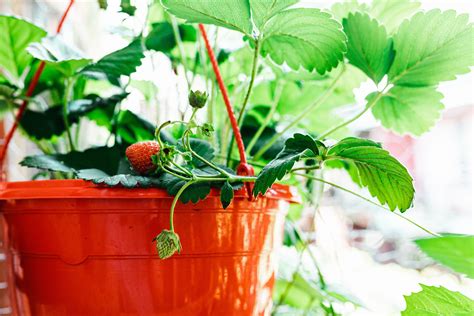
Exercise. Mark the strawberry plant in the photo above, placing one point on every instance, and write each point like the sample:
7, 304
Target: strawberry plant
300, 68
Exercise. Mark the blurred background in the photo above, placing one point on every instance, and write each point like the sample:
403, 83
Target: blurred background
364, 252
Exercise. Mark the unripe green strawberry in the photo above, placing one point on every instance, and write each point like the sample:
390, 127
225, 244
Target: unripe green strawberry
167, 243
139, 155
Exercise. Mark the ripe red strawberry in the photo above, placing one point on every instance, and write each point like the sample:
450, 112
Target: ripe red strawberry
139, 155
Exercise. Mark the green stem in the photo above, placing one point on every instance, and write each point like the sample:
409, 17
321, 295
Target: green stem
247, 95
175, 201
303, 114
368, 200
67, 96
185, 171
179, 43
253, 141
252, 80
343, 124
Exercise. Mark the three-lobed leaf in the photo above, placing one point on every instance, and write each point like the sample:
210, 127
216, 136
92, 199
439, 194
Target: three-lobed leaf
295, 148
412, 110
385, 177
368, 46
453, 251
263, 10
434, 300
15, 37
305, 38
432, 47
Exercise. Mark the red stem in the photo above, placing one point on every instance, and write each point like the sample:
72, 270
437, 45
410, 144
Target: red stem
244, 168
225, 96
29, 93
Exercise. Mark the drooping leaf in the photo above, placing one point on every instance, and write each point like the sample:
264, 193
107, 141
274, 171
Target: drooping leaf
15, 37
385, 177
47, 124
432, 47
126, 180
161, 37
412, 110
63, 57
368, 46
263, 10
305, 38
122, 62
390, 13
454, 251
434, 300
105, 159
131, 128
81, 107
227, 194
231, 14
194, 193
294, 149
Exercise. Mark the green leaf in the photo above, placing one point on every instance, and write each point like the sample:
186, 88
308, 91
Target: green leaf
81, 107
126, 180
227, 194
102, 158
408, 110
294, 149
434, 300
301, 294
47, 124
390, 13
127, 7
132, 128
231, 14
432, 47
263, 10
194, 193
161, 37
15, 37
296, 97
201, 147
54, 51
385, 177
368, 46
305, 38
122, 62
454, 251
341, 10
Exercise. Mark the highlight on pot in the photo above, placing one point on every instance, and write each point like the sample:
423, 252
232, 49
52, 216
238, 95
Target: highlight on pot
236, 157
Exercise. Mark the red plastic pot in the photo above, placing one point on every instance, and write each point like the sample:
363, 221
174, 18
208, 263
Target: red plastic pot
78, 249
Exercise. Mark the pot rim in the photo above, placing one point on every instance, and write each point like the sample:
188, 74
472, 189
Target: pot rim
77, 188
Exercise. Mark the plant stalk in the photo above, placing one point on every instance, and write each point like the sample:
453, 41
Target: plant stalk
67, 97
253, 74
368, 200
303, 114
268, 118
343, 124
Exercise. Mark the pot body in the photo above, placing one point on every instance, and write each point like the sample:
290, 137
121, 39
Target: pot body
78, 249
